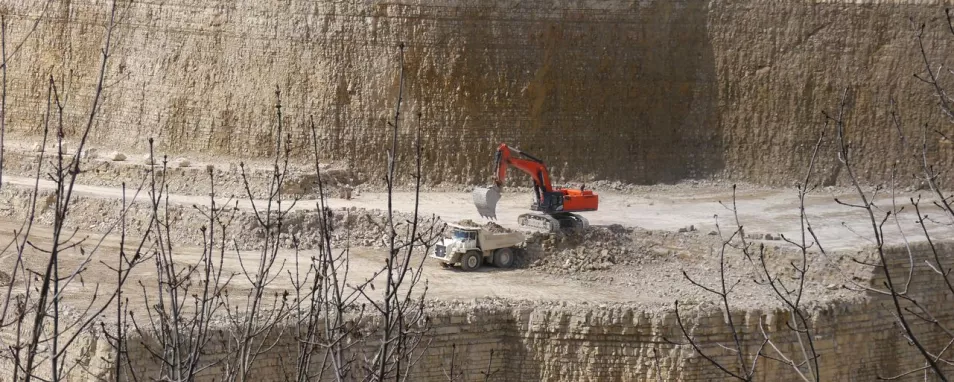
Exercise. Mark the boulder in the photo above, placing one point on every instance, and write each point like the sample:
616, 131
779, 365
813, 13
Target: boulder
90, 153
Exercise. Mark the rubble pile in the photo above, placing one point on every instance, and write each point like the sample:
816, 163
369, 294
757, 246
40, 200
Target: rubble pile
350, 226
356, 227
496, 228
489, 226
468, 223
597, 248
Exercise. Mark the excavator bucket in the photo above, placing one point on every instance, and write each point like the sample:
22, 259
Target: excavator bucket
485, 198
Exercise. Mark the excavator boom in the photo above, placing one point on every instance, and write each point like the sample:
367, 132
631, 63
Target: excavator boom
527, 163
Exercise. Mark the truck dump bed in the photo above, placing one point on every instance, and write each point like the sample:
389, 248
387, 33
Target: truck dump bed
489, 241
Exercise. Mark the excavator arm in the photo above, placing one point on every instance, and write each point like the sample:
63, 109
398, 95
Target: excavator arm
527, 163
556, 206
485, 199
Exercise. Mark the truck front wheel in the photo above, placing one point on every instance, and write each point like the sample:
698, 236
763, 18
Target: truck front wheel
470, 261
503, 258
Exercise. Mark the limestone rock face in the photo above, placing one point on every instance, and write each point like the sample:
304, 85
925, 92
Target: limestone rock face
636, 91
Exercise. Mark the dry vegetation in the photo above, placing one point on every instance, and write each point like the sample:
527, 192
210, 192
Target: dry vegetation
173, 292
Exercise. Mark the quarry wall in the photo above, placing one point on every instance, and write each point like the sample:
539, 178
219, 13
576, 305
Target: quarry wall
637, 91
855, 339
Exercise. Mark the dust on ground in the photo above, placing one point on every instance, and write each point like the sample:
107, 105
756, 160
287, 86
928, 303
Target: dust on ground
641, 246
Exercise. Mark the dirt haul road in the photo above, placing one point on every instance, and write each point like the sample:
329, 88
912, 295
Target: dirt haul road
761, 211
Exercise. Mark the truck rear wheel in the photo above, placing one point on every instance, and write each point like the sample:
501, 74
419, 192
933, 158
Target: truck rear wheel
470, 261
503, 258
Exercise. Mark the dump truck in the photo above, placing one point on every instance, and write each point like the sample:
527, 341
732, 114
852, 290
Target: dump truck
473, 246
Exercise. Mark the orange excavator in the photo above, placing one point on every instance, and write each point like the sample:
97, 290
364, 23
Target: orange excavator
556, 206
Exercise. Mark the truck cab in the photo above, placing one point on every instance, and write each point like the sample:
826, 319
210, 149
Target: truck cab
472, 246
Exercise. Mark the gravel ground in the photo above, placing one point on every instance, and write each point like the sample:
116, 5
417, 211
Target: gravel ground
641, 247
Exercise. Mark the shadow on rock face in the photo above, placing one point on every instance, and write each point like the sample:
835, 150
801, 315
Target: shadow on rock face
627, 94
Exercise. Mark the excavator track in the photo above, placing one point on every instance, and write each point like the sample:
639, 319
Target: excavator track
553, 223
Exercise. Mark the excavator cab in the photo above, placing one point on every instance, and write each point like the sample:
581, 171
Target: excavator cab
550, 202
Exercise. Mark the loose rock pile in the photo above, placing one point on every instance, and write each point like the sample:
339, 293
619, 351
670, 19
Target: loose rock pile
490, 226
600, 248
352, 226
